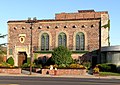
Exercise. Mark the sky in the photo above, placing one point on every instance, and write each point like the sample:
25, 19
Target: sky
46, 9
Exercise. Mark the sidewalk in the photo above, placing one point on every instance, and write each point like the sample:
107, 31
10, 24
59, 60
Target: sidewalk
65, 76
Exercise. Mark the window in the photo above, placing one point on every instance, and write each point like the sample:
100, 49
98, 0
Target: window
15, 28
23, 27
65, 26
10, 51
62, 40
80, 41
45, 41
39, 27
74, 26
48, 27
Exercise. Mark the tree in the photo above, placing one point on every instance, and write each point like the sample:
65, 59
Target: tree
10, 60
61, 55
2, 52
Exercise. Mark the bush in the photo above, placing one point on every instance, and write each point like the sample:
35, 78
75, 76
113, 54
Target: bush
10, 61
87, 64
113, 68
26, 65
118, 69
62, 66
96, 69
107, 67
77, 66
61, 55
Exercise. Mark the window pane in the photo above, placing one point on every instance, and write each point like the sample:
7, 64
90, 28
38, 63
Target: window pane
45, 41
80, 41
59, 40
77, 42
42, 42
62, 39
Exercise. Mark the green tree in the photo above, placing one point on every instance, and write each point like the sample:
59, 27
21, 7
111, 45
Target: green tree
2, 52
10, 60
61, 55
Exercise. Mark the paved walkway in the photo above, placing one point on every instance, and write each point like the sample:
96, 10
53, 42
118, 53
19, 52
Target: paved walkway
26, 73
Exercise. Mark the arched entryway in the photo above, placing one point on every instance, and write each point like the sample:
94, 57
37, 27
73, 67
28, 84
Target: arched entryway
22, 58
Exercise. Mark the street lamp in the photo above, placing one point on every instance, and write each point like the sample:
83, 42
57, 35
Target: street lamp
31, 22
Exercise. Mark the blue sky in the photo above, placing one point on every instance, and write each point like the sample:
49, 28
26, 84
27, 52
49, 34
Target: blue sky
46, 9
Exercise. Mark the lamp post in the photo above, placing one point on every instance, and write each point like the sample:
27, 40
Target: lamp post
31, 22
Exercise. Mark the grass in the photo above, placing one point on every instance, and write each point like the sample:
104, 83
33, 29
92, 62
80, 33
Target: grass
109, 74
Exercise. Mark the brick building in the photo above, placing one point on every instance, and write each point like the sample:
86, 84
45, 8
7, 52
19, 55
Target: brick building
81, 32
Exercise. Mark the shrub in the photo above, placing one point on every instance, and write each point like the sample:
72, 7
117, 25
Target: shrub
113, 68
96, 69
118, 69
61, 55
104, 67
107, 67
77, 66
4, 64
87, 64
10, 61
62, 66
26, 65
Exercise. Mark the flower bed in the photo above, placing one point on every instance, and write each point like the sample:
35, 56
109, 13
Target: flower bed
64, 71
37, 70
11, 70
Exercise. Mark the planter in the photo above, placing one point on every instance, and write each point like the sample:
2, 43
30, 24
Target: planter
64, 71
96, 74
11, 70
37, 70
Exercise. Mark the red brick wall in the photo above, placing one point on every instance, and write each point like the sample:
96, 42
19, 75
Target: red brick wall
92, 33
10, 71
65, 72
80, 15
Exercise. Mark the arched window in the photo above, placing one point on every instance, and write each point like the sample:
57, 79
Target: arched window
62, 40
80, 41
45, 41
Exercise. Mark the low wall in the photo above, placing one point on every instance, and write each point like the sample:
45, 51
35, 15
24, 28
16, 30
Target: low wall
11, 70
64, 71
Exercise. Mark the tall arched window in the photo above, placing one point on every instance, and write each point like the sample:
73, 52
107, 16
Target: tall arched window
44, 41
62, 40
80, 41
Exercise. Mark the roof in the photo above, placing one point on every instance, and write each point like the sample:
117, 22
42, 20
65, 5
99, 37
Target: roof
10, 21
110, 48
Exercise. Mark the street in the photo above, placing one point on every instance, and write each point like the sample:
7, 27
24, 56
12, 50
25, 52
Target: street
27, 80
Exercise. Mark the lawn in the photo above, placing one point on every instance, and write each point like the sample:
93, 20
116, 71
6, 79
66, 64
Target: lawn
109, 74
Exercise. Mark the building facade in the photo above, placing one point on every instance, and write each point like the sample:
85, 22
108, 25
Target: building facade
81, 32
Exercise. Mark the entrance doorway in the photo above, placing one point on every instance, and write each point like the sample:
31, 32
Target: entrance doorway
22, 58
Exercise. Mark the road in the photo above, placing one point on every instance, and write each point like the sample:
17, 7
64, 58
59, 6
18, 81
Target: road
27, 80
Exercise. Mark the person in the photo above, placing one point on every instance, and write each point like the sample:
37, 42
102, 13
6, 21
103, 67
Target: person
51, 67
